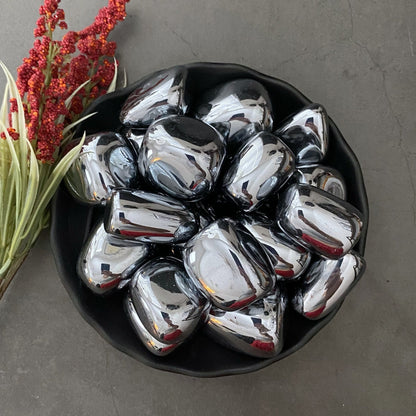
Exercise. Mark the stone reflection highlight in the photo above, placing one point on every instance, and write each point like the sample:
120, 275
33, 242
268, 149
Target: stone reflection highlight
104, 163
323, 177
228, 265
234, 105
149, 341
289, 260
319, 221
105, 260
306, 134
258, 170
326, 284
158, 95
256, 330
166, 300
147, 217
182, 157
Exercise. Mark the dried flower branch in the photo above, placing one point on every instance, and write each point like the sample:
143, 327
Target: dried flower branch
55, 83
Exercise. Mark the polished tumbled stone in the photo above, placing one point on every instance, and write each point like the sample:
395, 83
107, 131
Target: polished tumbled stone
182, 157
156, 96
228, 265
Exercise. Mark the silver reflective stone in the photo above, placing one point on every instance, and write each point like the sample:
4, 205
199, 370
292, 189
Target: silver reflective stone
258, 169
326, 284
147, 217
158, 95
204, 221
289, 260
150, 342
104, 163
240, 137
234, 105
182, 157
319, 220
135, 138
228, 265
256, 330
166, 300
323, 177
105, 261
306, 133
206, 214
243, 136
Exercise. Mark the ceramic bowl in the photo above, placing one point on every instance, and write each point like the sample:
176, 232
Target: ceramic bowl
72, 222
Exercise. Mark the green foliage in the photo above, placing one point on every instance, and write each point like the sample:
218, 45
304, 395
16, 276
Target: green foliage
26, 185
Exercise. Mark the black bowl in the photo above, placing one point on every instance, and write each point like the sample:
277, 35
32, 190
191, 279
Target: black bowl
71, 223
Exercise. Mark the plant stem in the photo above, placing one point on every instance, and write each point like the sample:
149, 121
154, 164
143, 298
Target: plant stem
6, 279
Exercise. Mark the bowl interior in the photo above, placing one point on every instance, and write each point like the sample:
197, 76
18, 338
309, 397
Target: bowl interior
71, 223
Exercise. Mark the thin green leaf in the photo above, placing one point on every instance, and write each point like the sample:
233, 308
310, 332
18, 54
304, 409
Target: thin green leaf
112, 86
5, 266
67, 139
20, 127
55, 178
12, 91
15, 166
29, 204
71, 97
4, 106
1, 204
4, 169
72, 125
13, 186
5, 161
124, 83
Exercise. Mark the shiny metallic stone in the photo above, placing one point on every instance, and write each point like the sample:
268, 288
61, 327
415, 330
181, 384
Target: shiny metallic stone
206, 214
105, 260
147, 217
166, 300
319, 221
204, 221
326, 284
243, 136
158, 95
239, 138
256, 330
228, 265
105, 162
289, 260
258, 169
306, 133
234, 105
323, 177
150, 342
135, 138
182, 157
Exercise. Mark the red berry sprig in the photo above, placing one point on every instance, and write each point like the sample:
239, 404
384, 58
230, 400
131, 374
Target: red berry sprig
55, 69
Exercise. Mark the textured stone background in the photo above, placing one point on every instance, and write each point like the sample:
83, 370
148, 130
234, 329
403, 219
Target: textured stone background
358, 59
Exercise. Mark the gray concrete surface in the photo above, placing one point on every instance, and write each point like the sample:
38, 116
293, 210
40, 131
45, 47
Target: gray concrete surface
355, 57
